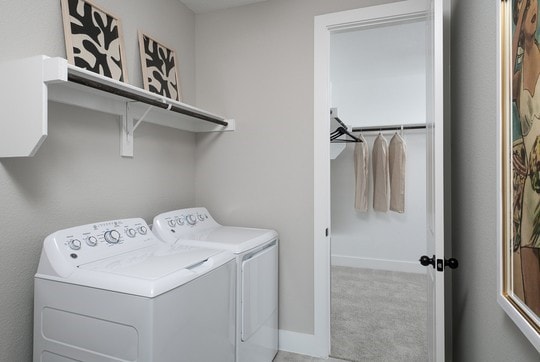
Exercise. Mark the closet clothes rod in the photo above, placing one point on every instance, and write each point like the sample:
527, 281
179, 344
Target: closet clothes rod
389, 128
140, 98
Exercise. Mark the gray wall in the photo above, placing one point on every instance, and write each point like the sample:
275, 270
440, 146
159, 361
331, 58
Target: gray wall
482, 331
256, 63
77, 176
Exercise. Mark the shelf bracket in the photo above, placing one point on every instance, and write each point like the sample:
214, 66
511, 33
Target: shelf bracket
127, 130
128, 127
126, 133
141, 119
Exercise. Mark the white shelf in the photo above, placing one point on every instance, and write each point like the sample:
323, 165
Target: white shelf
29, 84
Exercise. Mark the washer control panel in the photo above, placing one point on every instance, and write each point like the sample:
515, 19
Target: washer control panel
87, 243
173, 224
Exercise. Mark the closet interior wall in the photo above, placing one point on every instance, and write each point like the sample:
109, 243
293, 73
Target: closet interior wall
373, 87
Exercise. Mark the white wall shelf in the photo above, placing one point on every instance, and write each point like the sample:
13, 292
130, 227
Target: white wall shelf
30, 83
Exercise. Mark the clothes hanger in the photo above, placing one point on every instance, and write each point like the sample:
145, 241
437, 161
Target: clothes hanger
334, 137
342, 131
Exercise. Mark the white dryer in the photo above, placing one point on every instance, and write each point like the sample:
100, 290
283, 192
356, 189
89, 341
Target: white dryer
256, 253
112, 291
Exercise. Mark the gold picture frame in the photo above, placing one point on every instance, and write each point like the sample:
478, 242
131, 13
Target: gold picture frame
94, 39
159, 67
519, 165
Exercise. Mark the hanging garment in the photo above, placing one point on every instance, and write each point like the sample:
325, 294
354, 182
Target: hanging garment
396, 164
361, 171
380, 174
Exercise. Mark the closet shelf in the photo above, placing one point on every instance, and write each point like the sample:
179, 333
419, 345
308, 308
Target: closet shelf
30, 83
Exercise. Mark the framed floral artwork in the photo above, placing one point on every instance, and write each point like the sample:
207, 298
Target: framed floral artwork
519, 156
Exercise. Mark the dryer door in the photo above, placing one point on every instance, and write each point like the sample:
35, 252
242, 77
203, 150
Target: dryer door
259, 289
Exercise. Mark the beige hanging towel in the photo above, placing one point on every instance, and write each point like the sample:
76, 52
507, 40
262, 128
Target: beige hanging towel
396, 163
380, 174
361, 171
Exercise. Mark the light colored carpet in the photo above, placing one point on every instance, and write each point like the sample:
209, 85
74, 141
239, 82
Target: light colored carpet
378, 315
283, 356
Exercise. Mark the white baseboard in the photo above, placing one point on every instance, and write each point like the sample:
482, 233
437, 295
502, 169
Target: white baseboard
300, 343
379, 264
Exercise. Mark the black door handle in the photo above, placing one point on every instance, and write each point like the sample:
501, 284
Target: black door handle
426, 260
452, 263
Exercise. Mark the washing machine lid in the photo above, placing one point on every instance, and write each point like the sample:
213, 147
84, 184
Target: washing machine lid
235, 239
149, 271
153, 262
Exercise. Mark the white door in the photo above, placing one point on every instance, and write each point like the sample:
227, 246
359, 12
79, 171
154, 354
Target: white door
437, 167
436, 13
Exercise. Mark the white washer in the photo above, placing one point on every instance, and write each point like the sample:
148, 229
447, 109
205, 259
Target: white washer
112, 291
256, 253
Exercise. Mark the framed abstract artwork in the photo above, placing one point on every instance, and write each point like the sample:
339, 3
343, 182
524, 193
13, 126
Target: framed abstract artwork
519, 165
94, 39
159, 68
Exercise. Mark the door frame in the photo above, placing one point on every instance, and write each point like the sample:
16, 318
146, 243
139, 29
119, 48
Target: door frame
392, 13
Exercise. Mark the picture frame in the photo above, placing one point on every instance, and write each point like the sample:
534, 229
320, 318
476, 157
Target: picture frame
94, 39
159, 67
518, 157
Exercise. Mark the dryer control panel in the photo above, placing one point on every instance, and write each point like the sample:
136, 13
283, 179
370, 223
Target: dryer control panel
172, 225
79, 245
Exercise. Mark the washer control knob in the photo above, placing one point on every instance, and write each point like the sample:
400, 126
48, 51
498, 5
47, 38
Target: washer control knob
171, 223
191, 219
91, 241
74, 244
112, 236
142, 229
131, 233
200, 217
180, 221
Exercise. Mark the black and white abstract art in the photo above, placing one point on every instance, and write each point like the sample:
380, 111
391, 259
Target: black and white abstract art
159, 68
93, 39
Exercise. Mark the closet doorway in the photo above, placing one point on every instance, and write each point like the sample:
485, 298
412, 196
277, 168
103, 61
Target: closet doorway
377, 67
378, 288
